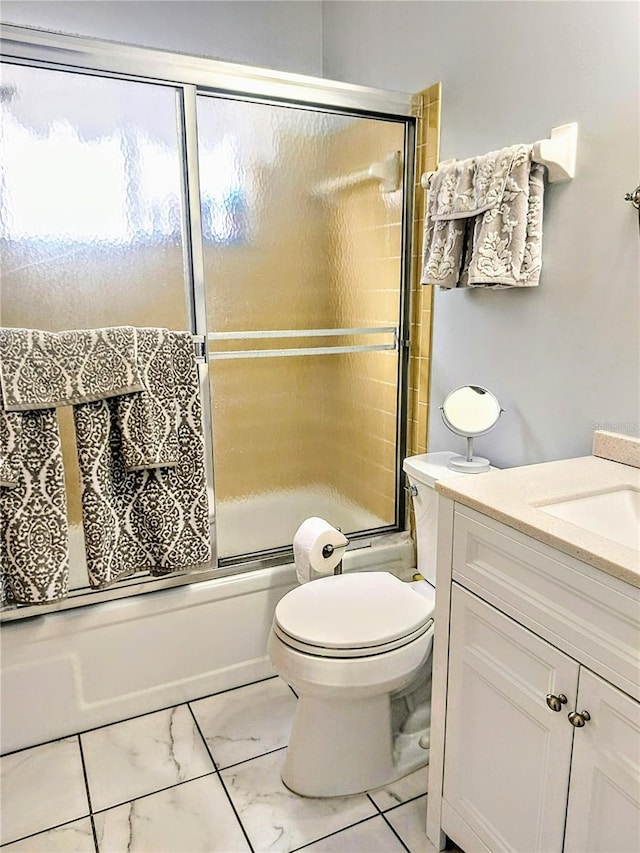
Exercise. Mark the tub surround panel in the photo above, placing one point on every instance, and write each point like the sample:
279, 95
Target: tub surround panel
95, 665
513, 496
92, 666
617, 448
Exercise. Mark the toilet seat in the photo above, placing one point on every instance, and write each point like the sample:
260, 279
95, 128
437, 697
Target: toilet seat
356, 615
325, 652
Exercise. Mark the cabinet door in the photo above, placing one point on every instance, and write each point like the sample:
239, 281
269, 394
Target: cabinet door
604, 793
507, 754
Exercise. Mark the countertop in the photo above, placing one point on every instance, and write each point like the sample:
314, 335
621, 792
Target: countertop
511, 495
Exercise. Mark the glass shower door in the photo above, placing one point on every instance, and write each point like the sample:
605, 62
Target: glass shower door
302, 218
91, 212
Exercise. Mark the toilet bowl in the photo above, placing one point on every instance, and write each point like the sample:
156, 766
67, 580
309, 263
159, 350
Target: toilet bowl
356, 649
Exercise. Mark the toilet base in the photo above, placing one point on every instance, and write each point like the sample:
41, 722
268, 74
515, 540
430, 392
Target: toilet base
352, 749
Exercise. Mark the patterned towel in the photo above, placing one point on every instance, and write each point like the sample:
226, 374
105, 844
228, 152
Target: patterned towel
481, 232
154, 519
34, 542
40, 370
469, 187
148, 421
10, 429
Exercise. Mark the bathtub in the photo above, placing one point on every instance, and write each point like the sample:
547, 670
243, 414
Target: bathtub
71, 671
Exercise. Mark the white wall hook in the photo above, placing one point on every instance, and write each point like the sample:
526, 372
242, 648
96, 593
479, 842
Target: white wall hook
558, 153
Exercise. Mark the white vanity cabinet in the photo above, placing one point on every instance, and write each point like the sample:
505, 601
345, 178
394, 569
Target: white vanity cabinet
528, 636
604, 812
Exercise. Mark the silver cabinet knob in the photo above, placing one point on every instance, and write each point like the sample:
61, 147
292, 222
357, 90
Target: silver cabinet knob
556, 702
413, 490
579, 718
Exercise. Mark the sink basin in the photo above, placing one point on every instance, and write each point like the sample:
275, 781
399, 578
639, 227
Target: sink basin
614, 514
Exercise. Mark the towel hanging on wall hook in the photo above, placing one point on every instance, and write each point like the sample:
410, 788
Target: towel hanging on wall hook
634, 198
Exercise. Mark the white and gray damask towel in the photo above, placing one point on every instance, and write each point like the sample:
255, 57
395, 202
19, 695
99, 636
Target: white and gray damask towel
10, 429
34, 547
155, 519
484, 222
148, 421
151, 519
41, 370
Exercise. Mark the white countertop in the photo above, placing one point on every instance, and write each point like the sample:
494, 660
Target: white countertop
511, 495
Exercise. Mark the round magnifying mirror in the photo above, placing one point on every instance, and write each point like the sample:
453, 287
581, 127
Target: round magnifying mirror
470, 411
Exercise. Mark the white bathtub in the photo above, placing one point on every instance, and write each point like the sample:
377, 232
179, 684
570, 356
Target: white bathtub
71, 671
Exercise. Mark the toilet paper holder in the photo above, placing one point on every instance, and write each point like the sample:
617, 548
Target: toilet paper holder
327, 552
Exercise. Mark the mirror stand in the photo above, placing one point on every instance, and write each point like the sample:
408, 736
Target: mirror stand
470, 411
469, 464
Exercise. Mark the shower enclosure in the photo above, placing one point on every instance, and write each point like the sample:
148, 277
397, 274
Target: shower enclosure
265, 212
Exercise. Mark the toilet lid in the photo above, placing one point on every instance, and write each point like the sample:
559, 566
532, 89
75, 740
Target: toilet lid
354, 611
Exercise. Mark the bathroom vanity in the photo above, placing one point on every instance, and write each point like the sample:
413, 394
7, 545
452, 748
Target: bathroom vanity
535, 709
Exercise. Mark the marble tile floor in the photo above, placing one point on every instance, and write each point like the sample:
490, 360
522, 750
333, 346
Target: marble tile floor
203, 776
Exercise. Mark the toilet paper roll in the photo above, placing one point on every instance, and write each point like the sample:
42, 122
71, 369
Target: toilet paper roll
311, 537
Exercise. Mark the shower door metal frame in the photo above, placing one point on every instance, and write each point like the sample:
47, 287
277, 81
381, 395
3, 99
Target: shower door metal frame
193, 76
229, 78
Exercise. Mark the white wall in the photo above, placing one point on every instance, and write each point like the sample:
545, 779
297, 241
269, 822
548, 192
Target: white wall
565, 356
285, 35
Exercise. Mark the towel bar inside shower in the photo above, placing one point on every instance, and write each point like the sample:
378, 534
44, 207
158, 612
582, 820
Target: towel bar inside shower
280, 352
558, 154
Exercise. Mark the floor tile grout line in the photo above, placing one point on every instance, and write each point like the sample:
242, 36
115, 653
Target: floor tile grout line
374, 803
337, 832
216, 770
404, 803
253, 758
84, 772
241, 824
397, 834
224, 787
136, 716
42, 831
88, 789
95, 834
151, 793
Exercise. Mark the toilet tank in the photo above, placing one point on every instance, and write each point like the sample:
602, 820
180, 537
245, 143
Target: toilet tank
423, 472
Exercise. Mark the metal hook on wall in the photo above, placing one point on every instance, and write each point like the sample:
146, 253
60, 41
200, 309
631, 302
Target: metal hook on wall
634, 198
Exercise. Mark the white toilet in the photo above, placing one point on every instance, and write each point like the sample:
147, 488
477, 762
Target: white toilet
356, 648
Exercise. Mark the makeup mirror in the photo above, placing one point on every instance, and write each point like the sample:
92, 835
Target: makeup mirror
470, 411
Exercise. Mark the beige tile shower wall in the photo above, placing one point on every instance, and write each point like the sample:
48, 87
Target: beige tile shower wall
427, 112
365, 250
264, 410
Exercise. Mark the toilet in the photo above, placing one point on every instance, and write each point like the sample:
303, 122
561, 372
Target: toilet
356, 649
